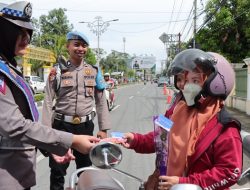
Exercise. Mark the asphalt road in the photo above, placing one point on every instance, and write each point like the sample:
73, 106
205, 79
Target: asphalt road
135, 106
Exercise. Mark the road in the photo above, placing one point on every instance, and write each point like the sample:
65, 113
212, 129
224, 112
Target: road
135, 106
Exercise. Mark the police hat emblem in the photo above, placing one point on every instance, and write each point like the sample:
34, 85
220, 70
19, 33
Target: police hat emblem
18, 13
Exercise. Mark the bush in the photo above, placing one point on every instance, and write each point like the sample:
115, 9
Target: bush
38, 97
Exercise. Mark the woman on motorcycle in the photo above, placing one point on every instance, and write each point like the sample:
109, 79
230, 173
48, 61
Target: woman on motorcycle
205, 146
144, 143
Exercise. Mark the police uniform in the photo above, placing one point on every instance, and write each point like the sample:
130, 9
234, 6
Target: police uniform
19, 130
75, 91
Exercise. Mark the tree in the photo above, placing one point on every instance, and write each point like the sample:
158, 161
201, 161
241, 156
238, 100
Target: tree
90, 57
227, 29
51, 29
36, 65
115, 61
131, 73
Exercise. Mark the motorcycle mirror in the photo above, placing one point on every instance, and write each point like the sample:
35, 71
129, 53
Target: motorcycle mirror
244, 178
185, 187
105, 155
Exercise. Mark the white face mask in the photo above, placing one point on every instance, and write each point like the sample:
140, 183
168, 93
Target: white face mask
190, 91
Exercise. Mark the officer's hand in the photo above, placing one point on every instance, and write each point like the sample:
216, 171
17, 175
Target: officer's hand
83, 143
102, 134
129, 137
64, 159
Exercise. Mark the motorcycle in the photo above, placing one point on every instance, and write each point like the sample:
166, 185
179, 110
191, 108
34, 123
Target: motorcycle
105, 156
110, 96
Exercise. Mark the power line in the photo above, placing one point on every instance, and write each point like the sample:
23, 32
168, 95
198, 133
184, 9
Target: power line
178, 14
188, 31
171, 16
212, 15
112, 11
166, 22
233, 19
187, 19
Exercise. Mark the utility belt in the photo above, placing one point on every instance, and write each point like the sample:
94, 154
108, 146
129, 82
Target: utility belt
74, 119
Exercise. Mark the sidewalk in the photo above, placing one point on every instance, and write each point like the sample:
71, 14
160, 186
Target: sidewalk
245, 126
242, 117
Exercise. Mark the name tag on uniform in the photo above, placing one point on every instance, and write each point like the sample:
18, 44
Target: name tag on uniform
89, 83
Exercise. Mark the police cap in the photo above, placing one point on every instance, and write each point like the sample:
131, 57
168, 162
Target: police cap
77, 36
19, 13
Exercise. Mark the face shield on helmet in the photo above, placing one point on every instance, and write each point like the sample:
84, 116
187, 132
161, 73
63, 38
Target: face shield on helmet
189, 59
219, 79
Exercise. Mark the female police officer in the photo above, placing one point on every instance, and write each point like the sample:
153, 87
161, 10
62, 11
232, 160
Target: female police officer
19, 130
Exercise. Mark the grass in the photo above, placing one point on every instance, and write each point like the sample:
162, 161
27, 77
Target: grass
39, 97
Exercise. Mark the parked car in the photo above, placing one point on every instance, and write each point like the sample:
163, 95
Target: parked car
162, 81
36, 83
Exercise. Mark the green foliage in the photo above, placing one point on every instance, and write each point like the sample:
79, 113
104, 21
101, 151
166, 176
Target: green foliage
36, 65
50, 31
115, 61
227, 30
90, 57
39, 97
131, 73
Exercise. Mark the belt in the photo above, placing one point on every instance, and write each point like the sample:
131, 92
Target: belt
74, 119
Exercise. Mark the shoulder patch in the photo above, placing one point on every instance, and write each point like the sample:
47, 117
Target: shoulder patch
100, 83
2, 85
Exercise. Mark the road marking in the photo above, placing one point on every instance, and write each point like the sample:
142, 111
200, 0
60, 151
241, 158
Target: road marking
39, 158
117, 106
131, 97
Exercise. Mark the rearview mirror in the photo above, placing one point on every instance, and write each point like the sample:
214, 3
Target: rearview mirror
105, 155
185, 187
244, 178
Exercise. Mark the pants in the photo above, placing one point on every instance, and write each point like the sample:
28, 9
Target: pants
58, 171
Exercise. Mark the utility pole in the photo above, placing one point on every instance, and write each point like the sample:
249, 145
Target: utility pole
195, 18
179, 42
124, 41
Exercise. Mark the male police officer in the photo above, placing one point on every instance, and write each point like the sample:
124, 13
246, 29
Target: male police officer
76, 87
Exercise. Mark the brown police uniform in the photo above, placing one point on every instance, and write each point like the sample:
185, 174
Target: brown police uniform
70, 101
19, 134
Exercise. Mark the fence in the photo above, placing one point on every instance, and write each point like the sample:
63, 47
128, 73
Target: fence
239, 97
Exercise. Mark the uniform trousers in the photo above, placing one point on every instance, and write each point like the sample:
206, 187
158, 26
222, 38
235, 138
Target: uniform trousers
58, 171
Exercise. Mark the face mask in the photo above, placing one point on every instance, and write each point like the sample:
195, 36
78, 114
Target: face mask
190, 91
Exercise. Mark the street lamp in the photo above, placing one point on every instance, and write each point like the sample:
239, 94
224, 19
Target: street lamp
165, 39
98, 26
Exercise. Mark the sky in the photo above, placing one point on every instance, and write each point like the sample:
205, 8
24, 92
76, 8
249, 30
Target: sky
140, 24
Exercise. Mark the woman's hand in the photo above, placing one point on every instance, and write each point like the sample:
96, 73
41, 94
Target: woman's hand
129, 137
166, 182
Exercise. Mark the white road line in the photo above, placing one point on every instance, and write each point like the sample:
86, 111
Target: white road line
39, 158
131, 97
117, 106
